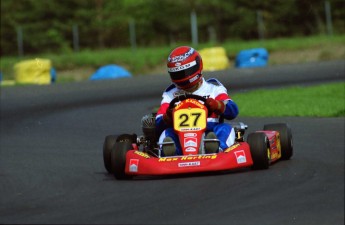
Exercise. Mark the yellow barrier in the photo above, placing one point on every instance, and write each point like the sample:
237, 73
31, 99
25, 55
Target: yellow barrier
35, 71
214, 59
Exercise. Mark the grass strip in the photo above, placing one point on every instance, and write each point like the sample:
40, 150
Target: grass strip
326, 100
145, 59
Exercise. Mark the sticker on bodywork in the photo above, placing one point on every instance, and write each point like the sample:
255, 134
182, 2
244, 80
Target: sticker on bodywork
240, 157
133, 165
188, 164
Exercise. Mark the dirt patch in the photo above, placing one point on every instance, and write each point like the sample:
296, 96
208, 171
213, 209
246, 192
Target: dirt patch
78, 74
322, 53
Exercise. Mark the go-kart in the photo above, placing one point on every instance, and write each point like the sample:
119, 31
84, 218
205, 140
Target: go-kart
129, 155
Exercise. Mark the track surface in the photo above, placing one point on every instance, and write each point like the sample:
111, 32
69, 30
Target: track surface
51, 166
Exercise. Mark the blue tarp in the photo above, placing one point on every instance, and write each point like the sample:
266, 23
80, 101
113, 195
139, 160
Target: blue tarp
110, 72
256, 57
53, 75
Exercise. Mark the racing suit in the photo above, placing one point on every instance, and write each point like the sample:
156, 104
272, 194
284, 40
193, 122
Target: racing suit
211, 88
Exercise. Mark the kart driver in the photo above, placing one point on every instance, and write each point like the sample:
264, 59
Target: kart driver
185, 69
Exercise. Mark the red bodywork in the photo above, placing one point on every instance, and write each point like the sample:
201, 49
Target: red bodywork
140, 163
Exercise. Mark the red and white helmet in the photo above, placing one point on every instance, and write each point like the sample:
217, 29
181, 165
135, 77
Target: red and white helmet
185, 66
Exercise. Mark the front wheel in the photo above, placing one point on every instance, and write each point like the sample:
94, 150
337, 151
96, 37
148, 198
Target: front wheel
108, 145
259, 149
118, 159
285, 138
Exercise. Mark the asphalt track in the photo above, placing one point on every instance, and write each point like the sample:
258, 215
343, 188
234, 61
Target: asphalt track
51, 166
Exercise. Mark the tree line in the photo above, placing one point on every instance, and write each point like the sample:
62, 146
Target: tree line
51, 26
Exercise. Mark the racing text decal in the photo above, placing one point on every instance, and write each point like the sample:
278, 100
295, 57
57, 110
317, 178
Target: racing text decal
142, 154
232, 148
185, 158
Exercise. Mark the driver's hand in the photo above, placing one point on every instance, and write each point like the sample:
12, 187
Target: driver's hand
215, 106
167, 117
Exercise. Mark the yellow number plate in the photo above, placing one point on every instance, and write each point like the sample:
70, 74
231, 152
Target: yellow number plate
192, 119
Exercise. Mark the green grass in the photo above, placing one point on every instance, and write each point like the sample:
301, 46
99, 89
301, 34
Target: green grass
146, 59
140, 61
286, 44
327, 100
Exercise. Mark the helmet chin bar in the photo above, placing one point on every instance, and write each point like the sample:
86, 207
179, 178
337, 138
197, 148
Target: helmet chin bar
191, 81
192, 88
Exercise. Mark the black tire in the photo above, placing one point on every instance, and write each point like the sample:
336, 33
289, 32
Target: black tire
286, 142
259, 149
118, 159
127, 137
108, 145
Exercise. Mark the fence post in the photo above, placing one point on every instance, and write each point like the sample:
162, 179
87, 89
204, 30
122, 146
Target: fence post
328, 18
20, 41
194, 28
132, 35
212, 34
261, 28
75, 38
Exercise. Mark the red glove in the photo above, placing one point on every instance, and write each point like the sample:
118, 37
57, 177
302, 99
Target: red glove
167, 117
215, 106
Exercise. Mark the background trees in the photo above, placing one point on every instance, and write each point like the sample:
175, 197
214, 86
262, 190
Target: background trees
47, 26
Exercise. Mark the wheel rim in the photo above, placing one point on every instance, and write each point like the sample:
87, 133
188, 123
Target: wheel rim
268, 150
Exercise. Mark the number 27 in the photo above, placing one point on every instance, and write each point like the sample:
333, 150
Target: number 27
186, 119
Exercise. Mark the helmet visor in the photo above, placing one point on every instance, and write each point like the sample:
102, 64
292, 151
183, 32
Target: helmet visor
184, 73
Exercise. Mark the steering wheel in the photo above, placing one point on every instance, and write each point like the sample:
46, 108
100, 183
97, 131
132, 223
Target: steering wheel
186, 96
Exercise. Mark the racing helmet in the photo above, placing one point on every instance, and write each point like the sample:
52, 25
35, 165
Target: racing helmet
185, 66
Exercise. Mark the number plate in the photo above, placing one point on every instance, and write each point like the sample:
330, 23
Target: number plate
192, 119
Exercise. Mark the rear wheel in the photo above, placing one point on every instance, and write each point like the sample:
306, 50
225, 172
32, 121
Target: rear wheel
108, 145
285, 138
127, 137
118, 159
259, 150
